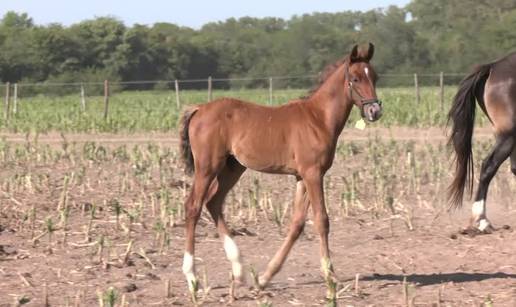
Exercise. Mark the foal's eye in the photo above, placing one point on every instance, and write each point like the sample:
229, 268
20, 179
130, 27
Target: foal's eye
354, 79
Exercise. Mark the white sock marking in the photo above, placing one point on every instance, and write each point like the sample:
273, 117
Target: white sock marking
189, 270
478, 209
479, 214
483, 225
233, 255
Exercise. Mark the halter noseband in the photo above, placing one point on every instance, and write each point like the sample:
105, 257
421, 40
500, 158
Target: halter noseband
364, 101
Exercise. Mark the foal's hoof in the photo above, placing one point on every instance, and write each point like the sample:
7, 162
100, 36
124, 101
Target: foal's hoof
239, 281
262, 283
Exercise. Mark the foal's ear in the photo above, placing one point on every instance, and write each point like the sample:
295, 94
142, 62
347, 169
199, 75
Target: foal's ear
370, 53
353, 56
362, 55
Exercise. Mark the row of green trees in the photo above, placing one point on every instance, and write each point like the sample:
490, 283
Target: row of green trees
424, 36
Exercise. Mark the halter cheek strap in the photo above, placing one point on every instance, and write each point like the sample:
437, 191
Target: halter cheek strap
363, 101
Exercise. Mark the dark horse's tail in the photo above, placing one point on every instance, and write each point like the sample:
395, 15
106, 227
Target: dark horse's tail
462, 113
184, 145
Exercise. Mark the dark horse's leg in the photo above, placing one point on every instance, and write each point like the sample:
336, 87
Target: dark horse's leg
501, 151
513, 160
296, 228
226, 179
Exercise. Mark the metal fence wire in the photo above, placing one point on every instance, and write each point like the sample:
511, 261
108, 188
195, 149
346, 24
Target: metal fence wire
267, 90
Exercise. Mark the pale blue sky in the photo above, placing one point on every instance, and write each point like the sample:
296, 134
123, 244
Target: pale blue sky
192, 13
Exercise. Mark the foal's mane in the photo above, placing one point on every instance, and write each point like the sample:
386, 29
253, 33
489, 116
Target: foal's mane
325, 74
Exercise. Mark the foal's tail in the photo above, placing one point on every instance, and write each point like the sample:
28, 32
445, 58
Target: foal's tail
184, 145
462, 113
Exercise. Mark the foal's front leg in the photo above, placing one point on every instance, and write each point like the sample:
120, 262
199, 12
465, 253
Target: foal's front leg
296, 228
314, 187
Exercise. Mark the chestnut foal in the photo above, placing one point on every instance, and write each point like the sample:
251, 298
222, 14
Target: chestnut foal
222, 138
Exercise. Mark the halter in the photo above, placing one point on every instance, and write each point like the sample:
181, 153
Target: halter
364, 101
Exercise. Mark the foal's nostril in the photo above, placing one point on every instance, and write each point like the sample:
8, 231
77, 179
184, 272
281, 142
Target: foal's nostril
372, 111
370, 114
379, 113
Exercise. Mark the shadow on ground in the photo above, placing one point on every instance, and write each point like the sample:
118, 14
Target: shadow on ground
434, 279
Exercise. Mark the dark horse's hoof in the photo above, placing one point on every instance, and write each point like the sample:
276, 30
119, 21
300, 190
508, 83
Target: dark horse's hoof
473, 231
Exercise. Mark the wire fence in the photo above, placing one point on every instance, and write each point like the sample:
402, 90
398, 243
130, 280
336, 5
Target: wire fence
101, 99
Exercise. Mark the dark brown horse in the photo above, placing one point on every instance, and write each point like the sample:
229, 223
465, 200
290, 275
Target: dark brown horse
221, 139
493, 85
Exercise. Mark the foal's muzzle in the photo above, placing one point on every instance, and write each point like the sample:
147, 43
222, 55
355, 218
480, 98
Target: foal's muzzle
371, 110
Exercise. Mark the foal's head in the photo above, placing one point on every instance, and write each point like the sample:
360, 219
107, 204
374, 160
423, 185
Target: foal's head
361, 82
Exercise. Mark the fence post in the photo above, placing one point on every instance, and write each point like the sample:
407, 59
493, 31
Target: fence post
209, 88
270, 90
441, 86
6, 103
178, 103
83, 100
106, 98
416, 85
15, 99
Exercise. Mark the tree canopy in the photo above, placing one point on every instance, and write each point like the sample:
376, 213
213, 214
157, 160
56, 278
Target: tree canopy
424, 36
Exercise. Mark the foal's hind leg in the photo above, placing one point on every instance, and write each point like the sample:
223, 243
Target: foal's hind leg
297, 224
203, 188
501, 151
226, 179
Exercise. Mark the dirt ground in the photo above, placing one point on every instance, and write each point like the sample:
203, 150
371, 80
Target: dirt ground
430, 265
